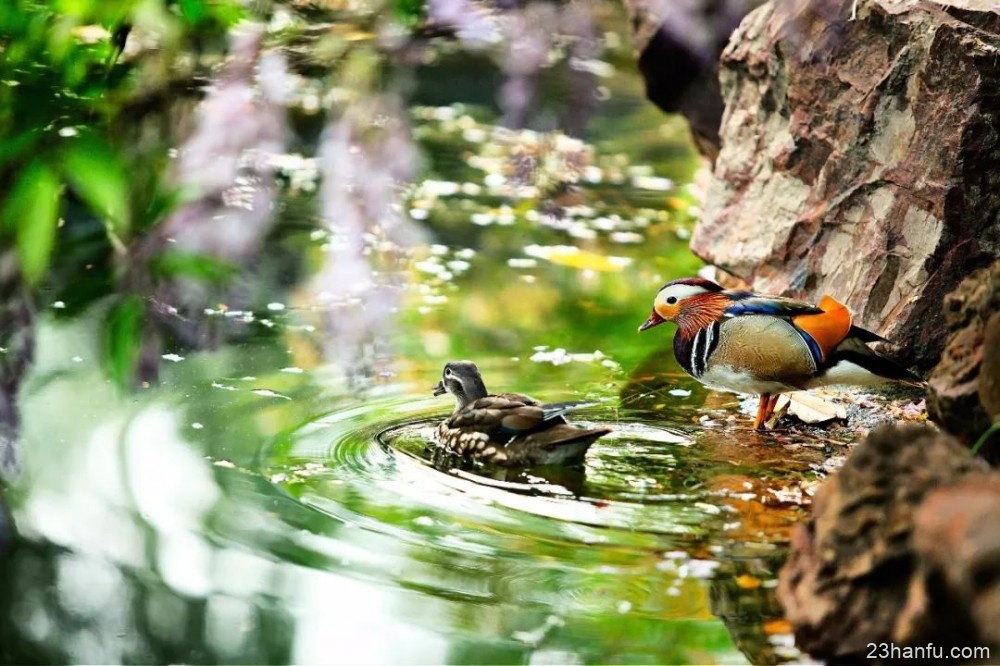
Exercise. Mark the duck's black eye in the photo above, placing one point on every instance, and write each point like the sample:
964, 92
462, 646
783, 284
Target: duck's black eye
671, 300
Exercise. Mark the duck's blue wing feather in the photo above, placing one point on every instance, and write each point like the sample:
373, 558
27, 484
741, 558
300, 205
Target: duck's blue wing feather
746, 304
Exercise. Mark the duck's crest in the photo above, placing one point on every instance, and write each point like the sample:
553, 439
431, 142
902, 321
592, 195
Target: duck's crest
707, 285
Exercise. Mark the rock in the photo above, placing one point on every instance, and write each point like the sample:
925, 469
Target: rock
679, 42
965, 386
859, 158
956, 589
849, 573
17, 353
989, 371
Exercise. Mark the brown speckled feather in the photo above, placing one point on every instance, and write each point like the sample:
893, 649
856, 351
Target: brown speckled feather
512, 429
767, 347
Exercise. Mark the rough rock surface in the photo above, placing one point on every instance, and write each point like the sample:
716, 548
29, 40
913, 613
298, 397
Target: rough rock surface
965, 386
956, 539
17, 352
849, 574
859, 158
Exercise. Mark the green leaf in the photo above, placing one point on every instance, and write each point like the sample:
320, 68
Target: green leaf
199, 266
97, 175
985, 437
32, 213
122, 339
408, 12
193, 11
15, 147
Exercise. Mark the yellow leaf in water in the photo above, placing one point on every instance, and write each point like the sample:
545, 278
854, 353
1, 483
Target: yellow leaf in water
777, 627
574, 257
351, 34
747, 582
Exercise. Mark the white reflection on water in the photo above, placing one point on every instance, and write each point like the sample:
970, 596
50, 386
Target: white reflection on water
351, 622
239, 572
172, 485
230, 622
185, 560
114, 481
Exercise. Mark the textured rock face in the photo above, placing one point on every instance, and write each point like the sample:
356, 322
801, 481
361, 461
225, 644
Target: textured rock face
855, 575
956, 537
965, 386
859, 158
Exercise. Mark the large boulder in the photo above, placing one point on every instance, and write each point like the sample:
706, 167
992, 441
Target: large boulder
964, 395
859, 158
955, 593
894, 548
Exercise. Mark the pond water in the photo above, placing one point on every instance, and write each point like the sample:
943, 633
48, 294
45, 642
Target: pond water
255, 507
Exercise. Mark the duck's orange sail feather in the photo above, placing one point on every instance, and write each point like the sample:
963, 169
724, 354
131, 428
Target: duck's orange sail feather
828, 328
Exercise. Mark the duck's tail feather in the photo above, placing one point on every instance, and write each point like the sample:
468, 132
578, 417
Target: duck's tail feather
865, 335
558, 409
565, 434
565, 443
854, 363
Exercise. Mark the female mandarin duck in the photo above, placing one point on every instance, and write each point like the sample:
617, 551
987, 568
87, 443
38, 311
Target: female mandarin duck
747, 343
510, 428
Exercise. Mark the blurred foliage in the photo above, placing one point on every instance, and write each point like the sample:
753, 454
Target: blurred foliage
91, 94
70, 154
408, 12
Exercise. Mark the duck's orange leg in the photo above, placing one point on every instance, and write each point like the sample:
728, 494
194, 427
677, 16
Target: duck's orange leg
772, 402
764, 409
758, 423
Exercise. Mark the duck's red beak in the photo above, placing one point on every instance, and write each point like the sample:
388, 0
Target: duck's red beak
654, 320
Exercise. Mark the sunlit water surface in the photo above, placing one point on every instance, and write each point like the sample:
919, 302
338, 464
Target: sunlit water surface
154, 528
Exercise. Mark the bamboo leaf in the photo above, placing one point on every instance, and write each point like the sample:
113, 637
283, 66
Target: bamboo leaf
193, 11
122, 339
198, 266
32, 213
98, 177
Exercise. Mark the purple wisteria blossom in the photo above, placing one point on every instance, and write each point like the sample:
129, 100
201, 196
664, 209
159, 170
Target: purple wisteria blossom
366, 157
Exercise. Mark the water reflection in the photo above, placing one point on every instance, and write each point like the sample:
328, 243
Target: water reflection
742, 596
134, 545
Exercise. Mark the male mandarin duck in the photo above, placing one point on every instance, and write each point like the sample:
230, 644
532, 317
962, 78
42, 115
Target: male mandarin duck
510, 428
739, 341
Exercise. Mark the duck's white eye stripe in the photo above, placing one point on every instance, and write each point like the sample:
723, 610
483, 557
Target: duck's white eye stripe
678, 292
694, 355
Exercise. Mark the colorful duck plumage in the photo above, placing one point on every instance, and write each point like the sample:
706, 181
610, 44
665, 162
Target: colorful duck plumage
510, 428
736, 340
